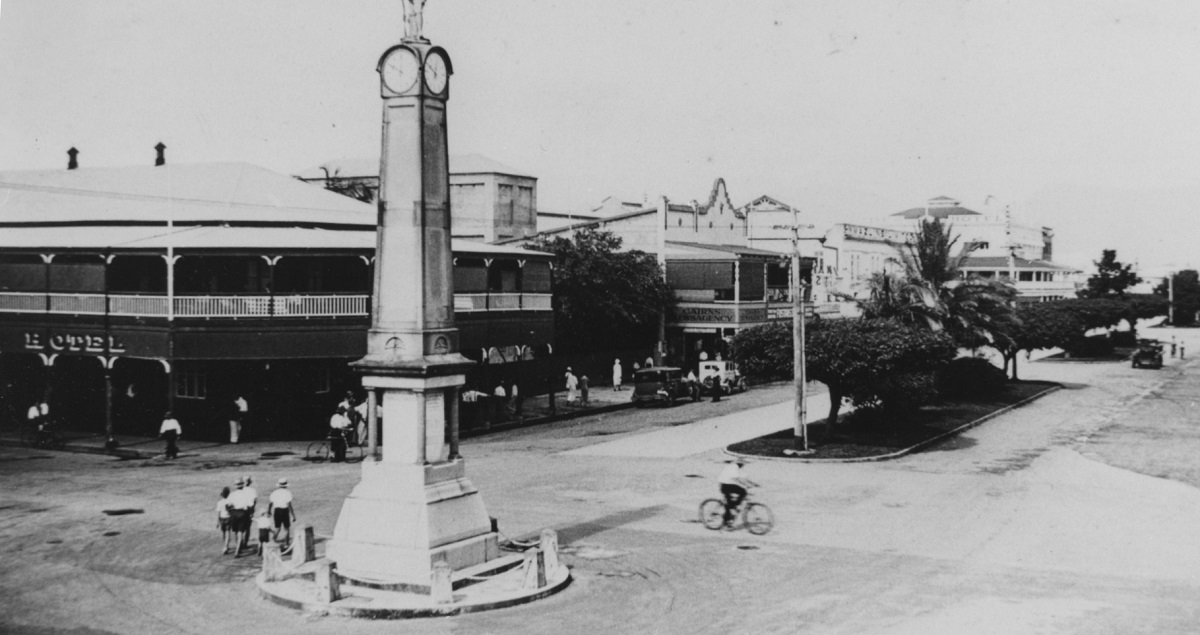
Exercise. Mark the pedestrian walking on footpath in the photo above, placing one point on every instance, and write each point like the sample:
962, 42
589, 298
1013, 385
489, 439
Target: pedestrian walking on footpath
572, 385
170, 432
223, 520
241, 507
583, 390
617, 374
241, 408
499, 403
518, 401
283, 512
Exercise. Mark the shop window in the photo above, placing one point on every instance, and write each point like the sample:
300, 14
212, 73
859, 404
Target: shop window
191, 385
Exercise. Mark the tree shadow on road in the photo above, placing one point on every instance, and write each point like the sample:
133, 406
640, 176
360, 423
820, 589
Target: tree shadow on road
580, 531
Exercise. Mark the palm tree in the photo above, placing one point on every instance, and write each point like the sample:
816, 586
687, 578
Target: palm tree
934, 292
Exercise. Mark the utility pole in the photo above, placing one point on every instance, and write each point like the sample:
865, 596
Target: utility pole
800, 430
1171, 297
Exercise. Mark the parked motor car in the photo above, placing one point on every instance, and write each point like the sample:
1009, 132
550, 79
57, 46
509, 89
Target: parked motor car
720, 373
659, 384
1149, 354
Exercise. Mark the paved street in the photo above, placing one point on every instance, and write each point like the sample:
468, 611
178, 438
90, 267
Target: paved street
1075, 514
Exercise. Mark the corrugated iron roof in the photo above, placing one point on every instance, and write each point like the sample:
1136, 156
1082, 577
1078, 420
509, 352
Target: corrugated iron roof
209, 192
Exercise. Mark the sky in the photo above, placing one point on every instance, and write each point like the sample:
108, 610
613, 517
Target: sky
1080, 115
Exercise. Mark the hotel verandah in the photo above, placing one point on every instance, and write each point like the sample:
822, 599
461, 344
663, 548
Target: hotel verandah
127, 291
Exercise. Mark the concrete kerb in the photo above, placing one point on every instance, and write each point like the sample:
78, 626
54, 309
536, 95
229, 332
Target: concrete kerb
291, 593
909, 450
562, 416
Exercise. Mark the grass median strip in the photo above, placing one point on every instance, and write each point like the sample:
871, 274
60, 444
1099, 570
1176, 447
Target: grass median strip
860, 435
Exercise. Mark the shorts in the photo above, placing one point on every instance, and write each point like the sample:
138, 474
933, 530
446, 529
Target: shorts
224, 523
239, 519
264, 535
283, 518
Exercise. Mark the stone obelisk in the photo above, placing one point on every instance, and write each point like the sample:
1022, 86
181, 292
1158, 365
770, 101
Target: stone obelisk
414, 505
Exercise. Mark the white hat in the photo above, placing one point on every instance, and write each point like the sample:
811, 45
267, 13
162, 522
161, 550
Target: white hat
283, 482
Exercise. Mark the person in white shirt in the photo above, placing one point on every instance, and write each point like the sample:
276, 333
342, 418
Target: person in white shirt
252, 494
617, 374
283, 511
170, 431
237, 418
733, 484
572, 384
338, 424
241, 506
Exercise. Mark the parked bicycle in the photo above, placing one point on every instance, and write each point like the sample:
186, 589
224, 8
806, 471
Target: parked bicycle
756, 517
322, 450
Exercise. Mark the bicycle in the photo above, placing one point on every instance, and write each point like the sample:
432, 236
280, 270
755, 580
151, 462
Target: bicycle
756, 517
321, 450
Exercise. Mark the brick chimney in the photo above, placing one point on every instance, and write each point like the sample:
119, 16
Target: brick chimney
161, 159
71, 162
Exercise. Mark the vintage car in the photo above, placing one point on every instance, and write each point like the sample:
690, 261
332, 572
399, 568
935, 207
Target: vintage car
720, 373
1149, 354
661, 384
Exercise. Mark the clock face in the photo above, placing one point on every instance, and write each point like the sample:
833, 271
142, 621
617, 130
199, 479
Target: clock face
435, 73
400, 70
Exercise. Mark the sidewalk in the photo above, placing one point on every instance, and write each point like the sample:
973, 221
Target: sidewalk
536, 411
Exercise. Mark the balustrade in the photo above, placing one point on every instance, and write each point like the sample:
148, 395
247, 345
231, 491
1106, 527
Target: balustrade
244, 306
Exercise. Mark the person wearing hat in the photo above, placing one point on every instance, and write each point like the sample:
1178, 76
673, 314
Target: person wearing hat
283, 511
733, 484
241, 507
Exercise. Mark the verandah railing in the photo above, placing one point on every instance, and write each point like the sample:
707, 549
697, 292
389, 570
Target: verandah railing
244, 305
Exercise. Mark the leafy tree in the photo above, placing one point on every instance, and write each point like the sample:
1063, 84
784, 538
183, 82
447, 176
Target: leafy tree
873, 363
1041, 325
1112, 278
603, 295
1187, 296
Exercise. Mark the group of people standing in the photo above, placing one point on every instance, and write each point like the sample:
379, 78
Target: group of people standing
236, 514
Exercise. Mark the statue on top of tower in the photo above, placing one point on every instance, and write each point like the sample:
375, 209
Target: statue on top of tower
413, 19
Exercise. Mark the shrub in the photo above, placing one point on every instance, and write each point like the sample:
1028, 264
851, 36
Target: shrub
896, 397
1095, 346
970, 378
764, 352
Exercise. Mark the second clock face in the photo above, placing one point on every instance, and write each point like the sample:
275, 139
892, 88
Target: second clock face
400, 70
436, 73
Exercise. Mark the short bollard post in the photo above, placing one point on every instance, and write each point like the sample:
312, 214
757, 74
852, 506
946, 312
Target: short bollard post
549, 547
535, 569
329, 589
273, 567
441, 588
304, 548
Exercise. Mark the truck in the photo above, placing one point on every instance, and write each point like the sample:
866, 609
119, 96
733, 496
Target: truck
720, 373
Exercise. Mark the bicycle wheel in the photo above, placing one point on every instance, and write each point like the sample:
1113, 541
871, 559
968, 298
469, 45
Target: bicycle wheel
758, 518
712, 513
318, 451
354, 453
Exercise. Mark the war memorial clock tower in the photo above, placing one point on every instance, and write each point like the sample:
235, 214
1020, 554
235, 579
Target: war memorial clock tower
414, 505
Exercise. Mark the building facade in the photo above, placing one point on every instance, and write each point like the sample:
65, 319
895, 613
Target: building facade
128, 291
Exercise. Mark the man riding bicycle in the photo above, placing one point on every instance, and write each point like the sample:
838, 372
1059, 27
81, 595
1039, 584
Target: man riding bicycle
733, 484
